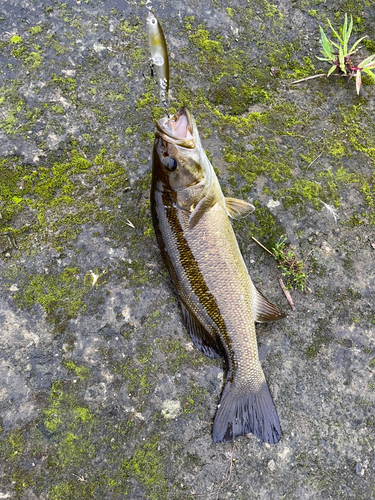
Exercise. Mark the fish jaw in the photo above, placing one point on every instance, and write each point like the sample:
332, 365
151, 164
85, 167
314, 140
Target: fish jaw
179, 129
177, 140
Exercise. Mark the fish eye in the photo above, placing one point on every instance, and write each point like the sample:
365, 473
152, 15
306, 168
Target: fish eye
153, 21
170, 163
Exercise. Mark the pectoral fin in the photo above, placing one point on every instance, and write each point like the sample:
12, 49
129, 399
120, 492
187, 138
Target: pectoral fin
263, 309
208, 344
238, 208
203, 206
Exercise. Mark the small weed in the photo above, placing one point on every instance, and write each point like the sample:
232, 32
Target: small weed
292, 267
339, 54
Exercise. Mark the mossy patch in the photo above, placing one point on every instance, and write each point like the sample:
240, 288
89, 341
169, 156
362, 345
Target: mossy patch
55, 195
147, 467
82, 372
61, 295
178, 356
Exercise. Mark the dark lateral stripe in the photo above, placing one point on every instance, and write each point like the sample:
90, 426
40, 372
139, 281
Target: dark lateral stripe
196, 280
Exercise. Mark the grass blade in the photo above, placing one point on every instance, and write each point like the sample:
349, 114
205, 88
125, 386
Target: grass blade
341, 60
334, 31
369, 72
345, 34
358, 81
367, 62
350, 27
326, 45
352, 51
332, 69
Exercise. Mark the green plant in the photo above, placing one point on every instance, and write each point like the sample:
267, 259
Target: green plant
341, 60
292, 267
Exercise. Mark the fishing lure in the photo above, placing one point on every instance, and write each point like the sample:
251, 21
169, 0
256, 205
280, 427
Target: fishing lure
159, 56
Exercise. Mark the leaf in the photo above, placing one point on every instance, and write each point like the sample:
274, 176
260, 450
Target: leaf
341, 60
344, 34
334, 31
335, 44
358, 81
352, 51
368, 62
350, 29
369, 72
332, 69
326, 45
324, 58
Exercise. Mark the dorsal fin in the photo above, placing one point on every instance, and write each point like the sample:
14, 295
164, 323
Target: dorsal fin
263, 309
203, 206
208, 344
237, 208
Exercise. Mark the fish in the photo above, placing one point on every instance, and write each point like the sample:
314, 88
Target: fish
219, 302
159, 56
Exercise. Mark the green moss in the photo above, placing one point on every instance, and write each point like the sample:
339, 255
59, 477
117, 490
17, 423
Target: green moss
127, 28
34, 30
10, 199
66, 84
61, 295
193, 399
140, 381
13, 446
30, 54
369, 44
265, 228
147, 467
73, 489
63, 411
201, 39
15, 40
146, 99
302, 190
237, 97
81, 371
178, 356
56, 194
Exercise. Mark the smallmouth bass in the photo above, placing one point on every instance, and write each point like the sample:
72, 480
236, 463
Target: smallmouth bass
219, 302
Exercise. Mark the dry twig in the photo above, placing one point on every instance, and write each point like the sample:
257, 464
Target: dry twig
309, 78
287, 295
264, 248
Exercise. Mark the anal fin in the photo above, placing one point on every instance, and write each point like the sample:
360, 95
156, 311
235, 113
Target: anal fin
263, 309
208, 344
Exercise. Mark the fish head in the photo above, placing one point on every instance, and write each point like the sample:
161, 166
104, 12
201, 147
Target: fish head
179, 160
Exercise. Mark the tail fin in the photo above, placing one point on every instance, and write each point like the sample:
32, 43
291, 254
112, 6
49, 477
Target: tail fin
241, 414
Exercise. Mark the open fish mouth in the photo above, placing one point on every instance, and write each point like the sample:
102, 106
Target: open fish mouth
179, 129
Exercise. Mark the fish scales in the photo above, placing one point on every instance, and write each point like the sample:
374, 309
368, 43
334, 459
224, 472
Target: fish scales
219, 302
202, 284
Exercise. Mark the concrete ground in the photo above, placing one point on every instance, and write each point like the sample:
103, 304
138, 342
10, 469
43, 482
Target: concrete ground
102, 393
